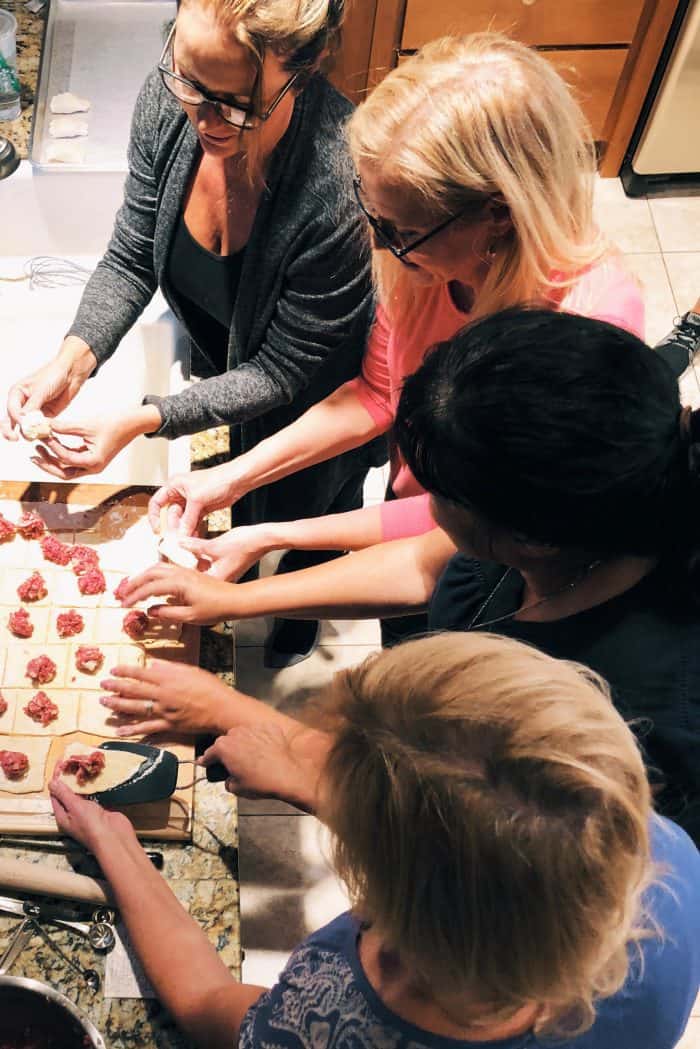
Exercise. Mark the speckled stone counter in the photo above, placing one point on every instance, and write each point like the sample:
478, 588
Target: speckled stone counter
203, 875
30, 30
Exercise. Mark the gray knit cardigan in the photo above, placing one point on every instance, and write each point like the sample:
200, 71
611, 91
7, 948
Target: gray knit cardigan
304, 303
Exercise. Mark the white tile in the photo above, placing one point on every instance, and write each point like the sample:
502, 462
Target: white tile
251, 633
691, 1038
262, 968
684, 273
290, 689
677, 221
627, 222
375, 486
660, 307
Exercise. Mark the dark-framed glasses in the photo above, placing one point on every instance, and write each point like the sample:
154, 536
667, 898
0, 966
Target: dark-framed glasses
238, 114
389, 236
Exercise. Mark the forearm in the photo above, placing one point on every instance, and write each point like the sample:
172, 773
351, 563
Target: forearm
334, 425
172, 946
355, 530
390, 579
79, 357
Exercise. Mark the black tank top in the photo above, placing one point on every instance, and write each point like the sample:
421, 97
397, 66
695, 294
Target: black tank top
206, 287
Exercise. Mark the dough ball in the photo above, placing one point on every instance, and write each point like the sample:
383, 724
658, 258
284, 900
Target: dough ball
67, 102
68, 127
35, 426
66, 151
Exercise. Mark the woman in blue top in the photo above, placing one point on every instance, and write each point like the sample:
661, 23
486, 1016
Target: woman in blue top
492, 821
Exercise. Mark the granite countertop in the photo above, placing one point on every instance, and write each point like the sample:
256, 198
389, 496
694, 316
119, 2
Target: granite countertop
30, 31
202, 874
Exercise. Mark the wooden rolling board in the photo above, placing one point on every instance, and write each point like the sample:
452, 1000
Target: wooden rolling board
115, 523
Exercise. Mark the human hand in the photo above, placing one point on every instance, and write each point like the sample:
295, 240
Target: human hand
273, 757
101, 438
85, 820
193, 597
190, 496
51, 388
172, 697
233, 553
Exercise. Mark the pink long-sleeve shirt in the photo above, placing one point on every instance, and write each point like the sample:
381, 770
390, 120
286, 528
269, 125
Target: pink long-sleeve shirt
605, 291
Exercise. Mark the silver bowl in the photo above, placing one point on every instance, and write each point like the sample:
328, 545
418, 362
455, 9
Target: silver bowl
30, 1003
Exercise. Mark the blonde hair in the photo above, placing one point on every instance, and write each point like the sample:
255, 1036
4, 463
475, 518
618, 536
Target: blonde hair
490, 809
483, 114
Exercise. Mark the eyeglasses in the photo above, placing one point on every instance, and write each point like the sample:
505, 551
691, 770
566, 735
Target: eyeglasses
235, 113
388, 235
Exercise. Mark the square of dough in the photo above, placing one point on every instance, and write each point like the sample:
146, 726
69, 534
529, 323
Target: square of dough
19, 654
120, 765
87, 634
67, 594
66, 701
8, 717
38, 616
10, 551
109, 625
98, 720
14, 577
80, 679
37, 750
108, 600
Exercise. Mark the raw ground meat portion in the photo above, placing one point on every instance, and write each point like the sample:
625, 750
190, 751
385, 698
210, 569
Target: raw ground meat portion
83, 558
69, 623
92, 581
20, 624
119, 590
32, 589
31, 526
3, 704
83, 766
41, 670
14, 763
56, 551
41, 709
7, 530
135, 623
89, 659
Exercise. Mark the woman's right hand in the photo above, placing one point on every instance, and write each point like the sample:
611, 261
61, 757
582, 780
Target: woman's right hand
189, 497
231, 555
52, 387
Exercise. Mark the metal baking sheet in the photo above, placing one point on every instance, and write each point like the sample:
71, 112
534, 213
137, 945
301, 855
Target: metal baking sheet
101, 50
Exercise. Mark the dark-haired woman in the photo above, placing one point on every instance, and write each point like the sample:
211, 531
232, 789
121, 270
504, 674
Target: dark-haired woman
566, 474
239, 205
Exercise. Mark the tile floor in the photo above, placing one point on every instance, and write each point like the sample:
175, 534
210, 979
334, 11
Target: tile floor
287, 888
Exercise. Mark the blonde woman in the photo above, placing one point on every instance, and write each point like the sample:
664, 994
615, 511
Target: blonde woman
239, 205
475, 169
491, 819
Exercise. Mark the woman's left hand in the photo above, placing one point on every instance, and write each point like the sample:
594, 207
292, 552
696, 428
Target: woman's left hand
172, 697
85, 820
101, 439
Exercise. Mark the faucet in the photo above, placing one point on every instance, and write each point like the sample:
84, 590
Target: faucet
9, 161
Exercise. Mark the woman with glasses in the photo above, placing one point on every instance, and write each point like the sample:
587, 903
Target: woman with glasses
474, 169
239, 205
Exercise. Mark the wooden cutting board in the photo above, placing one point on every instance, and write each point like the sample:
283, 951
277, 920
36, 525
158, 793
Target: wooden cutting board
114, 522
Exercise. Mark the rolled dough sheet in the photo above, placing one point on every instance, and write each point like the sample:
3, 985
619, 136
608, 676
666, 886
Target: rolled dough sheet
67, 720
130, 655
67, 102
68, 126
127, 552
37, 750
19, 654
97, 720
119, 766
39, 618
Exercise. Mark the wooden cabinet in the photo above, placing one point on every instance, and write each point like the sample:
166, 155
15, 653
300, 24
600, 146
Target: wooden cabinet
606, 49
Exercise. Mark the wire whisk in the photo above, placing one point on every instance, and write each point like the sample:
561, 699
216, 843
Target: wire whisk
48, 271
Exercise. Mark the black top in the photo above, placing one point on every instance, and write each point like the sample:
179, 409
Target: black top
206, 286
644, 642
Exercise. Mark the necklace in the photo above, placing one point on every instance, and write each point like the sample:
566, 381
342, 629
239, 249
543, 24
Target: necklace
533, 604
